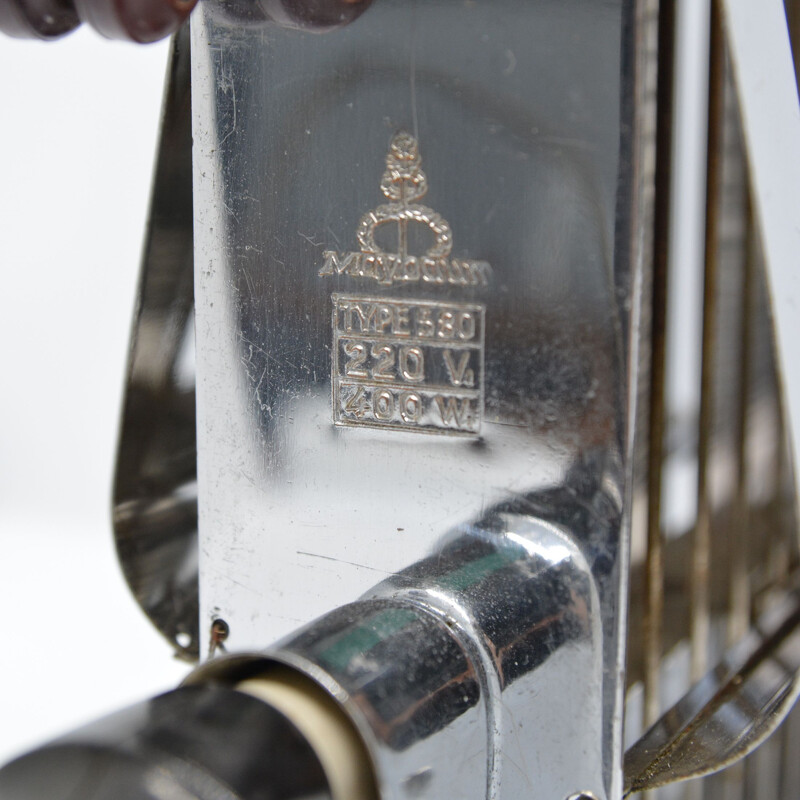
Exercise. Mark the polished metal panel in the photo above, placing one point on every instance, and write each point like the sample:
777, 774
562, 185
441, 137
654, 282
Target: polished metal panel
474, 673
519, 117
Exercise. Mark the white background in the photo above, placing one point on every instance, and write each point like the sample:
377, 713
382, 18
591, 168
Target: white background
78, 122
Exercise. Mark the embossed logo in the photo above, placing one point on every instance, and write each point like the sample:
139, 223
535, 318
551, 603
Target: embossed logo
413, 365
403, 183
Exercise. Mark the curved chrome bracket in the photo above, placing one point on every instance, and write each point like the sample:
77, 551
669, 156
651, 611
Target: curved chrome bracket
472, 673
155, 486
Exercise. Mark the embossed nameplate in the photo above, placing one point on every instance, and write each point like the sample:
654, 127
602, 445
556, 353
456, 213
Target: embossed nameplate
407, 365
410, 365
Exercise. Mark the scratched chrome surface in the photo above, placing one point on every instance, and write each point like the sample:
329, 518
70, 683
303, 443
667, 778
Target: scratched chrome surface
516, 111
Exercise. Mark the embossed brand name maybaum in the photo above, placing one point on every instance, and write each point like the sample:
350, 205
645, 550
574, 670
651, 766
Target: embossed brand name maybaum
389, 268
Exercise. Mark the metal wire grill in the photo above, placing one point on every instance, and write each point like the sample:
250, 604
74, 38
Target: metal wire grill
708, 562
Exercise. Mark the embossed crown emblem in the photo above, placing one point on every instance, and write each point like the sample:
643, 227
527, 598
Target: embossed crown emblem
404, 183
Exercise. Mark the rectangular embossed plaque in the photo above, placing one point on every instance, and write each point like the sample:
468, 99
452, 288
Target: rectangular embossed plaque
411, 365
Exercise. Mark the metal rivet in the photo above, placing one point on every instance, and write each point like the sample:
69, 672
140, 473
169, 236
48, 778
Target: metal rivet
219, 633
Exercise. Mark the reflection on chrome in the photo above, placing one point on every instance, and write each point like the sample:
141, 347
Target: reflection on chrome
446, 666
